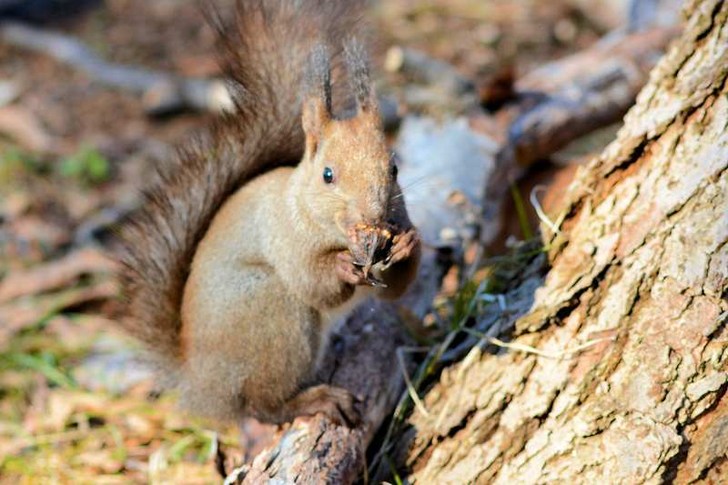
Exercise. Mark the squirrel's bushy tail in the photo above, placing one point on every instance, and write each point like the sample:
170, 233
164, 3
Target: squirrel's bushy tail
265, 53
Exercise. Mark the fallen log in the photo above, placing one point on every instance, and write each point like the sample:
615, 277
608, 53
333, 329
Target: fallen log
161, 92
565, 100
582, 92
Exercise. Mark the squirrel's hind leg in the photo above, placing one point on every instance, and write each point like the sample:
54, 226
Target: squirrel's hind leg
336, 403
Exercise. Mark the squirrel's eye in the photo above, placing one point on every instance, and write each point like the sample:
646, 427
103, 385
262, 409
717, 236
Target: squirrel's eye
395, 170
328, 175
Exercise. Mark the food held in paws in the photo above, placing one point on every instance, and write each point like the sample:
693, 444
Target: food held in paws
370, 245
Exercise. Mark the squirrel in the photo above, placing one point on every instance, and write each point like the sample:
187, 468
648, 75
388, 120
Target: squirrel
257, 238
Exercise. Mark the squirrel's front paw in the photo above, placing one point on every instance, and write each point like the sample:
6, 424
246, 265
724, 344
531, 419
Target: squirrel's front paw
403, 246
347, 271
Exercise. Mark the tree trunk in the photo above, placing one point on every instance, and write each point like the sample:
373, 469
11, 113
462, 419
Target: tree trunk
628, 382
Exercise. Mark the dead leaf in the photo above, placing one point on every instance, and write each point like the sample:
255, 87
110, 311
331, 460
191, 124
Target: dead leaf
59, 410
24, 127
56, 274
14, 204
32, 232
102, 460
76, 333
16, 316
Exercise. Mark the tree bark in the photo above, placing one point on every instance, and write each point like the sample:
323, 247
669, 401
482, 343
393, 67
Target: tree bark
628, 382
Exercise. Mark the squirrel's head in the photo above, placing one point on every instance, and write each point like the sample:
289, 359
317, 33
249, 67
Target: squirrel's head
350, 176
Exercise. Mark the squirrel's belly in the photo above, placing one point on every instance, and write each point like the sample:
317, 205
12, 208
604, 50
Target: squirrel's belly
243, 327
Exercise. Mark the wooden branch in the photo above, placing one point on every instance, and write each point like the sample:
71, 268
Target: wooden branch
634, 15
161, 92
567, 99
582, 92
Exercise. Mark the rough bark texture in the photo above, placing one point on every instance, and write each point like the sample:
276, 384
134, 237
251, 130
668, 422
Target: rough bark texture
641, 265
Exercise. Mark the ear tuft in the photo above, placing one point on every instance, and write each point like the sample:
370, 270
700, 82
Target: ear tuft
317, 102
318, 77
357, 66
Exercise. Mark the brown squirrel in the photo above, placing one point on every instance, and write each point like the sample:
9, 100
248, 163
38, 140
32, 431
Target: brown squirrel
238, 263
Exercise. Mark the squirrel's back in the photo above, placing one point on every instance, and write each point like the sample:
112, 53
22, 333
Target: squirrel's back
265, 54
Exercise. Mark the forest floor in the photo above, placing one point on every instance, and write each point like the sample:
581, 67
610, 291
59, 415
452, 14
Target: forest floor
74, 404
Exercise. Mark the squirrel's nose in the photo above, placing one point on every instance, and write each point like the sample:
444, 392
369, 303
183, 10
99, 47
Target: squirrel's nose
375, 210
374, 213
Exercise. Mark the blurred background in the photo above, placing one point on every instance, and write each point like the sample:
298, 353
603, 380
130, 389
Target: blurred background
77, 140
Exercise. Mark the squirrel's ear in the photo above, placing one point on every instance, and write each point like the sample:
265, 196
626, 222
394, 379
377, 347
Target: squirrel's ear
357, 66
315, 116
317, 105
